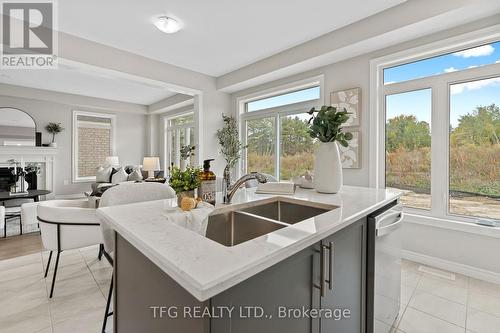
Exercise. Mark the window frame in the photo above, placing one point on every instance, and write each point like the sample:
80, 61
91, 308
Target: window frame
440, 89
166, 128
275, 112
74, 157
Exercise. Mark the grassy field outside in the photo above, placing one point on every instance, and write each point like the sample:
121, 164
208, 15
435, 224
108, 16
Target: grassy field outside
473, 169
474, 161
291, 165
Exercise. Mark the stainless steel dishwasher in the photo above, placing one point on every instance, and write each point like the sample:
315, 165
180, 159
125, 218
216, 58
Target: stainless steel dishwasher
384, 268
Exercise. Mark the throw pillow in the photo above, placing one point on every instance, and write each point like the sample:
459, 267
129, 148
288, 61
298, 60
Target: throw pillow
119, 176
136, 175
131, 168
103, 175
113, 171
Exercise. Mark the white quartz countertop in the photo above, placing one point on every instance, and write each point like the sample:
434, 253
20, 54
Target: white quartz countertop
204, 267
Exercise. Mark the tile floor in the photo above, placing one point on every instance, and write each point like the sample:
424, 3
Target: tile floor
435, 304
79, 295
430, 303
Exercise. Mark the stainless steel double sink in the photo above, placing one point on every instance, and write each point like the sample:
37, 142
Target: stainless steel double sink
240, 223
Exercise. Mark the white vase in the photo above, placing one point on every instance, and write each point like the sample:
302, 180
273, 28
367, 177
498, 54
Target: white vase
328, 168
22, 185
53, 144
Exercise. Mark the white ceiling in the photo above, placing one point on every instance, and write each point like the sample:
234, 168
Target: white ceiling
218, 36
80, 80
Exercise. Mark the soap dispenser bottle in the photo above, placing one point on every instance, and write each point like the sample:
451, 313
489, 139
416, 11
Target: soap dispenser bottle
207, 186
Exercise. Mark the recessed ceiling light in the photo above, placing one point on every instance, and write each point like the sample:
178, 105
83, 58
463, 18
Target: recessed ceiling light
167, 24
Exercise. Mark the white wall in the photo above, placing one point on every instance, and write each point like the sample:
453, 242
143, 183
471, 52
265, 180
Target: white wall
346, 74
458, 248
459, 251
214, 105
130, 139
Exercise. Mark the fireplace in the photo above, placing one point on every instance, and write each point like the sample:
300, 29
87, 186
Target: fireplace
44, 156
7, 179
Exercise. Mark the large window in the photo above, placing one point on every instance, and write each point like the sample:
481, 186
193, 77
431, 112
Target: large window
275, 129
180, 131
261, 141
441, 141
408, 146
455, 61
93, 141
474, 182
303, 95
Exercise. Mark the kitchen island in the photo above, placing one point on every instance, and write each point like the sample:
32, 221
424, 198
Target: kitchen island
170, 279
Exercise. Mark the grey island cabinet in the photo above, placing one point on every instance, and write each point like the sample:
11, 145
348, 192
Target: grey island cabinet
328, 277
266, 264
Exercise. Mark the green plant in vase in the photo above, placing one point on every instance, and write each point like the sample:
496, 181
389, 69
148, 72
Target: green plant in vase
184, 182
54, 128
231, 146
325, 125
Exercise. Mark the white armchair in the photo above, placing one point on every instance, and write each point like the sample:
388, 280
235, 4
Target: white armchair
66, 225
2, 221
28, 214
128, 193
122, 194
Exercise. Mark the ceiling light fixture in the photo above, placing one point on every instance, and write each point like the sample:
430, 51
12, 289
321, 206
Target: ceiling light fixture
167, 24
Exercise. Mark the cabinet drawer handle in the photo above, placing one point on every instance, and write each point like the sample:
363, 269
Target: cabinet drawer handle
322, 272
331, 256
322, 268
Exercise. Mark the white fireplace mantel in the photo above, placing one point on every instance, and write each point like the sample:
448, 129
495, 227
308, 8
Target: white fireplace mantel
44, 155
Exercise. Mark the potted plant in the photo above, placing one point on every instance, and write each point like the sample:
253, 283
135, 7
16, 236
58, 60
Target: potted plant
231, 146
187, 152
184, 182
325, 125
54, 128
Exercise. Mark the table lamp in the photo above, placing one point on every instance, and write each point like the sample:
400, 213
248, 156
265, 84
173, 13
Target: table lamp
151, 164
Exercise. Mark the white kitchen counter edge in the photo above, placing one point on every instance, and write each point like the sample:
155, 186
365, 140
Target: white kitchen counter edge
205, 291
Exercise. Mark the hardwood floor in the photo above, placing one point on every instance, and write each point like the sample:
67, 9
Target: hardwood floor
17, 246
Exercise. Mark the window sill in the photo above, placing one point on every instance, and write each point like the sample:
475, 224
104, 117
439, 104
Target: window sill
84, 180
448, 224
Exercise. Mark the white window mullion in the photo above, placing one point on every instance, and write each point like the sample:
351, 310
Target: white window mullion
244, 155
439, 150
168, 157
188, 136
380, 171
177, 147
277, 148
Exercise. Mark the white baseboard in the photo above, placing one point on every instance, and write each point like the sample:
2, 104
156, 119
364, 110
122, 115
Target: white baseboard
474, 272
